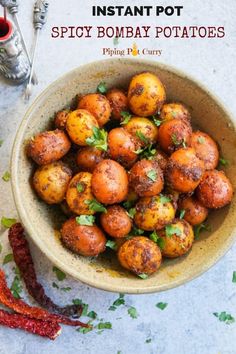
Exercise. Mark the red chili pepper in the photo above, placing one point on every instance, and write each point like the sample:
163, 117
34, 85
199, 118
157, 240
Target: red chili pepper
24, 261
19, 306
42, 328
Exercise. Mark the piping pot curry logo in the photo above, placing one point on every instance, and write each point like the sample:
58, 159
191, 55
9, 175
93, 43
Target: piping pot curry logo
134, 51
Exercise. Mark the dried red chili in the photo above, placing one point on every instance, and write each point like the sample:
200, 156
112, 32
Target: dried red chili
19, 306
24, 261
42, 328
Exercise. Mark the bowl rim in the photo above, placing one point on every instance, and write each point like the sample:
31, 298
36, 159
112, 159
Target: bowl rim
28, 225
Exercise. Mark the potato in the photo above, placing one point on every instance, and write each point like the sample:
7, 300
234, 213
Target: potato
174, 111
140, 255
118, 102
79, 192
152, 213
138, 126
206, 149
61, 118
161, 159
51, 182
122, 146
215, 190
177, 238
88, 241
174, 134
116, 221
184, 170
48, 146
146, 94
146, 178
88, 158
109, 182
194, 212
79, 126
98, 105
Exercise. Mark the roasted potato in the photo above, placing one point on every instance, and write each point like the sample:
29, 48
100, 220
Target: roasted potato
152, 213
98, 105
177, 238
118, 102
116, 221
184, 170
146, 178
51, 182
140, 255
79, 126
146, 94
174, 134
48, 146
161, 159
122, 146
88, 241
194, 212
79, 193
174, 111
60, 119
109, 182
215, 190
88, 158
206, 149
143, 129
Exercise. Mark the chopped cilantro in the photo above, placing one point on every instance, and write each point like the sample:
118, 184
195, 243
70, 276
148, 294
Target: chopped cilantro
87, 220
128, 204
157, 239
152, 175
153, 236
85, 310
172, 230
142, 137
66, 289
148, 340
77, 302
201, 140
199, 228
111, 244
117, 302
104, 325
95, 206
59, 274
224, 317
161, 305
80, 187
16, 287
8, 258
55, 285
132, 212
157, 121
7, 222
92, 314
143, 276
234, 277
6, 176
126, 117
176, 141
148, 152
223, 162
182, 213
164, 199
133, 312
135, 231
102, 88
98, 139
84, 330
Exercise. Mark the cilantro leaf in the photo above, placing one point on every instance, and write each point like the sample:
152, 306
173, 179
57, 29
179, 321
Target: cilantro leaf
104, 325
126, 117
101, 88
7, 222
157, 121
6, 176
66, 289
148, 340
59, 273
152, 175
111, 244
118, 302
201, 140
148, 152
80, 187
16, 287
54, 285
84, 330
172, 230
157, 239
182, 213
142, 137
223, 162
224, 317
135, 231
95, 206
98, 139
153, 236
8, 258
164, 199
128, 204
133, 312
132, 212
161, 305
92, 314
87, 220
143, 276
234, 277
176, 141
199, 228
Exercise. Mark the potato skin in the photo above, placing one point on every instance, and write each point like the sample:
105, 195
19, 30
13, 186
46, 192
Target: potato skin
141, 183
173, 134
88, 157
76, 199
79, 126
51, 181
122, 146
60, 119
144, 126
161, 159
140, 255
152, 213
215, 190
98, 105
184, 170
118, 102
206, 149
174, 111
48, 147
146, 94
116, 222
88, 241
109, 182
195, 212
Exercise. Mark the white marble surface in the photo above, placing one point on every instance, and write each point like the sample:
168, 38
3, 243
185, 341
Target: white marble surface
187, 325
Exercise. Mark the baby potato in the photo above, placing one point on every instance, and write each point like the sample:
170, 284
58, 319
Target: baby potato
48, 146
142, 126
146, 94
122, 146
79, 192
215, 190
79, 126
174, 111
51, 182
152, 213
109, 182
88, 158
60, 119
88, 241
116, 221
174, 134
98, 105
184, 170
140, 255
146, 178
177, 238
194, 212
161, 159
118, 102
206, 149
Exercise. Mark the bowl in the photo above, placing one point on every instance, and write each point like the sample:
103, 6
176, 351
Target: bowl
42, 222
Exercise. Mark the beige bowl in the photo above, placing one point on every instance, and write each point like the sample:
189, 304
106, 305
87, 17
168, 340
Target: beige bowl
41, 221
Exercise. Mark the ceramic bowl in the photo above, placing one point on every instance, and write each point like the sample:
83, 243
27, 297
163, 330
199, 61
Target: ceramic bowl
42, 221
